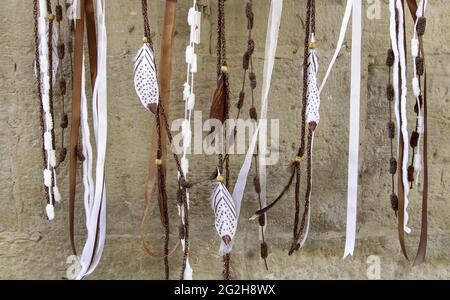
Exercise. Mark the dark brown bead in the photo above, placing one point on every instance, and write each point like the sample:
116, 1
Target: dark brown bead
414, 139
72, 26
393, 166
62, 155
250, 47
416, 106
257, 184
390, 58
61, 51
62, 86
241, 100
64, 121
253, 114
262, 220
264, 250
421, 25
59, 13
246, 61
394, 202
80, 154
390, 92
411, 174
252, 78
391, 129
181, 232
420, 66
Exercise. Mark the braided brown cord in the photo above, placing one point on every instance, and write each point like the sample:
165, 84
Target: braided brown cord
39, 86
147, 31
223, 160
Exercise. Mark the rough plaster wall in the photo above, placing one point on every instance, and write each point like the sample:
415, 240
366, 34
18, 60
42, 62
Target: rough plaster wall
31, 247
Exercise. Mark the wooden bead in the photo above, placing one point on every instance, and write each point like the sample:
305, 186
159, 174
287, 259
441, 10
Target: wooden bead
224, 69
51, 17
145, 40
158, 162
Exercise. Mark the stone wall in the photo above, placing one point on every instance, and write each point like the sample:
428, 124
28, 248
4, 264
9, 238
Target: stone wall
31, 247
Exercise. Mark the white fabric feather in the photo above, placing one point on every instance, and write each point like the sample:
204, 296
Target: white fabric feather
225, 216
145, 78
313, 95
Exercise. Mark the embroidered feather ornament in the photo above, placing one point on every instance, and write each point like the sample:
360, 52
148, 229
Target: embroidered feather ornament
145, 79
225, 213
313, 95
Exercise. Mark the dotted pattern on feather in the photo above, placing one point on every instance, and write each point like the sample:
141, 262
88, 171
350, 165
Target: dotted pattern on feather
145, 78
225, 211
313, 96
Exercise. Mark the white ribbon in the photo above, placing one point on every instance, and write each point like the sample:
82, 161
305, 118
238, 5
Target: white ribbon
355, 109
95, 202
353, 9
276, 7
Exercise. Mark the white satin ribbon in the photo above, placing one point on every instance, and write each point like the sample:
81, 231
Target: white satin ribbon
403, 110
95, 203
355, 110
276, 8
353, 9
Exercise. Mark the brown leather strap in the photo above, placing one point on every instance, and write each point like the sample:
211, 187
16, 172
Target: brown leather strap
401, 191
86, 13
422, 249
92, 40
75, 123
165, 76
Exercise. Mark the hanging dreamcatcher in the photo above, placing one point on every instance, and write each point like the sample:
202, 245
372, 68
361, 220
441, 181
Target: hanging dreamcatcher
404, 167
154, 99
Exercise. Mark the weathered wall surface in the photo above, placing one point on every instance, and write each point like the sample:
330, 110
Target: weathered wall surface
31, 247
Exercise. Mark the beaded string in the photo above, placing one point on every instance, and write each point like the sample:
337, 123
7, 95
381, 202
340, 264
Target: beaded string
62, 81
391, 130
